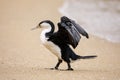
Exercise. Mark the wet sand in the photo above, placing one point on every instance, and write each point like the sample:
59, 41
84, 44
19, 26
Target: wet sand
23, 57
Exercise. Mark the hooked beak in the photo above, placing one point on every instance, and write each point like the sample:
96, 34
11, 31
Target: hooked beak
35, 27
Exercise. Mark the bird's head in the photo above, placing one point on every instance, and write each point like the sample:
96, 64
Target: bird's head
44, 24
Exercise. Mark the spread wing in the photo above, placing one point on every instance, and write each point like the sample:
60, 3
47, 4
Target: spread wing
70, 31
80, 29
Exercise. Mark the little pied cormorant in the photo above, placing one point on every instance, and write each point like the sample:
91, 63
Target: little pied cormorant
58, 42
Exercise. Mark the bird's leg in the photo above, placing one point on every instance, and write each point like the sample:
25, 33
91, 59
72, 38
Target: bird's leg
69, 66
57, 65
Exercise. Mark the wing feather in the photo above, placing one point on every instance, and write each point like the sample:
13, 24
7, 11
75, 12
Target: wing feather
71, 34
70, 31
79, 28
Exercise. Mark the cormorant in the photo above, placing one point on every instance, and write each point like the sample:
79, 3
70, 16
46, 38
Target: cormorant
59, 42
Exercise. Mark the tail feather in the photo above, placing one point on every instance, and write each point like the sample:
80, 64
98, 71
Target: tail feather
87, 57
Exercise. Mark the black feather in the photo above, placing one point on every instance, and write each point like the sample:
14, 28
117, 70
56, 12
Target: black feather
72, 31
80, 29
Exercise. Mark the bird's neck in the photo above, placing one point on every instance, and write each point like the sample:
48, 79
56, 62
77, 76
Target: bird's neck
47, 31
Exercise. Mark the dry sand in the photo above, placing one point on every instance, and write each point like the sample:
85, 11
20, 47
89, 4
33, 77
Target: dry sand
23, 57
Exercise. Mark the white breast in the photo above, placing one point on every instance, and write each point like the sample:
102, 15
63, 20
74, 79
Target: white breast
50, 45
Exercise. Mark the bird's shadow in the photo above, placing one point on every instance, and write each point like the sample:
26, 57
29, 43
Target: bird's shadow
58, 69
77, 70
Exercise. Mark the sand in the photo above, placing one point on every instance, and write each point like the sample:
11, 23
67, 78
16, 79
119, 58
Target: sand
23, 57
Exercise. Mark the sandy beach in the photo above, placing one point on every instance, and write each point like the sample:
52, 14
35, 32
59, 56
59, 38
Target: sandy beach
23, 57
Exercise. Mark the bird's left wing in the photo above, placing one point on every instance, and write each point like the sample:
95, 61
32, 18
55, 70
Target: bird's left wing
69, 33
80, 29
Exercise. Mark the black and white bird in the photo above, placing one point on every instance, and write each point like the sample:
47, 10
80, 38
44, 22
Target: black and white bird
59, 42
